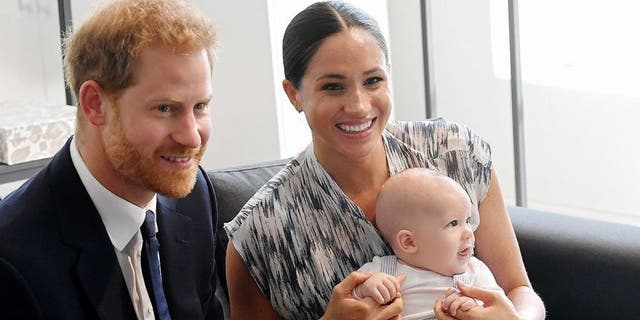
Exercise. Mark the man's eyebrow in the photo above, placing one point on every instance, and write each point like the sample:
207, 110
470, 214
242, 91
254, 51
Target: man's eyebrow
166, 100
170, 100
372, 70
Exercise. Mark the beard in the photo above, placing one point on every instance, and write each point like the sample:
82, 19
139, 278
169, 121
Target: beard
144, 169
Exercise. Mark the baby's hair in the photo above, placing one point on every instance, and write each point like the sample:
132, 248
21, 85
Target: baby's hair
389, 218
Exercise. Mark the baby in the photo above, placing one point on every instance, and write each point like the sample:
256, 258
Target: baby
425, 216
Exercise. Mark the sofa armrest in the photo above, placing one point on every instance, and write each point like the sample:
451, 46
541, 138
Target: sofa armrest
582, 269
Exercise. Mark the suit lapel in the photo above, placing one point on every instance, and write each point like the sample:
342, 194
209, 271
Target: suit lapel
174, 230
81, 227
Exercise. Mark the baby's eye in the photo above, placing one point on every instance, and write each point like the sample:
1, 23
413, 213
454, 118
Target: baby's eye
468, 220
332, 87
453, 223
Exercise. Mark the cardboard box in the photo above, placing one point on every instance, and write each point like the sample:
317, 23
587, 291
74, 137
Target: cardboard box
32, 132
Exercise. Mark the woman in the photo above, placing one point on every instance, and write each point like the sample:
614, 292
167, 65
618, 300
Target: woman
314, 222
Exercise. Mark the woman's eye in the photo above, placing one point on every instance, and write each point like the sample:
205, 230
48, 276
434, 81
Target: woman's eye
164, 108
332, 87
453, 223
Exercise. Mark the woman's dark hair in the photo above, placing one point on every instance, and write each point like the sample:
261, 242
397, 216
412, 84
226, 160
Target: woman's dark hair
311, 26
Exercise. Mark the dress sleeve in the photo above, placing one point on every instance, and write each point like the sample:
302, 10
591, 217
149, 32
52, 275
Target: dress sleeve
480, 161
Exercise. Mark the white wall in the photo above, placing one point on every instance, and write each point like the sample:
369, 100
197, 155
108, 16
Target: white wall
244, 115
466, 89
405, 42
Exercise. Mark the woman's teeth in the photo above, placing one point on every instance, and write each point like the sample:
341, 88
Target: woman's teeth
355, 128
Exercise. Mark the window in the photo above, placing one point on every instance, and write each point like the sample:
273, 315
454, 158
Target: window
31, 61
579, 80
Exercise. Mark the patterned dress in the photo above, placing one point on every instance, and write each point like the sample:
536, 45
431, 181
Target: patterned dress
300, 234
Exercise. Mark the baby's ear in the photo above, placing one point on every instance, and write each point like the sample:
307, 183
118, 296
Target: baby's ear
405, 241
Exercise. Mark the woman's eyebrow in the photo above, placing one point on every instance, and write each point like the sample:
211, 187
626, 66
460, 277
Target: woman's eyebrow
330, 76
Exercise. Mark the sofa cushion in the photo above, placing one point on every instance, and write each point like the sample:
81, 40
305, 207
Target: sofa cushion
234, 187
582, 268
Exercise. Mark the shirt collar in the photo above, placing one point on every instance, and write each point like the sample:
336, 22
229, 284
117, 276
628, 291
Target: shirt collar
121, 218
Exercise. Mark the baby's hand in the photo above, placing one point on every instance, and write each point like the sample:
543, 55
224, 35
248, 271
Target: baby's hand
455, 301
383, 288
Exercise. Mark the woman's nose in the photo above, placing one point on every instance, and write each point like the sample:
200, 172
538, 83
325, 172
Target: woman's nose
358, 104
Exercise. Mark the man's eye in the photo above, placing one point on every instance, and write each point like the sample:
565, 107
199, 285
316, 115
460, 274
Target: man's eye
164, 108
332, 87
372, 81
200, 106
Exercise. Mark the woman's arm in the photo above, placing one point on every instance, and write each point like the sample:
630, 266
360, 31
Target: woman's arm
246, 301
497, 246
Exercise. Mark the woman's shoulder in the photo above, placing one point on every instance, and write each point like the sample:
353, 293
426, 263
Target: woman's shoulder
438, 130
265, 199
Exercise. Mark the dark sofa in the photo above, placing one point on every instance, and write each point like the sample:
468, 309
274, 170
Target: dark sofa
582, 269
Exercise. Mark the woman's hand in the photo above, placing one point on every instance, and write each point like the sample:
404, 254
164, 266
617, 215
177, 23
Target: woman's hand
496, 306
343, 305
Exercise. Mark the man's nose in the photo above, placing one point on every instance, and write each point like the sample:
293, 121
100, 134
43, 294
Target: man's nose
187, 131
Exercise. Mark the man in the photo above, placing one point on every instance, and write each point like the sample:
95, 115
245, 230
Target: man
70, 239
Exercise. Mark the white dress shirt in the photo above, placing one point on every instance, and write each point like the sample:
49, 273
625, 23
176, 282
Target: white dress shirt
122, 220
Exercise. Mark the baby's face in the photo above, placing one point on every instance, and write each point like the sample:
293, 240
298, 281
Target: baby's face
444, 237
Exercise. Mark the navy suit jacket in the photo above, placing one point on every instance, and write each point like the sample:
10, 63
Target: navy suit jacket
57, 262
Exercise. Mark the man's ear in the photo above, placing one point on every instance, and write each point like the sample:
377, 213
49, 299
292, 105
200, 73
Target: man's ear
292, 93
405, 241
92, 101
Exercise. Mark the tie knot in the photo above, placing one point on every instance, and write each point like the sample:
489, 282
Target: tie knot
148, 228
